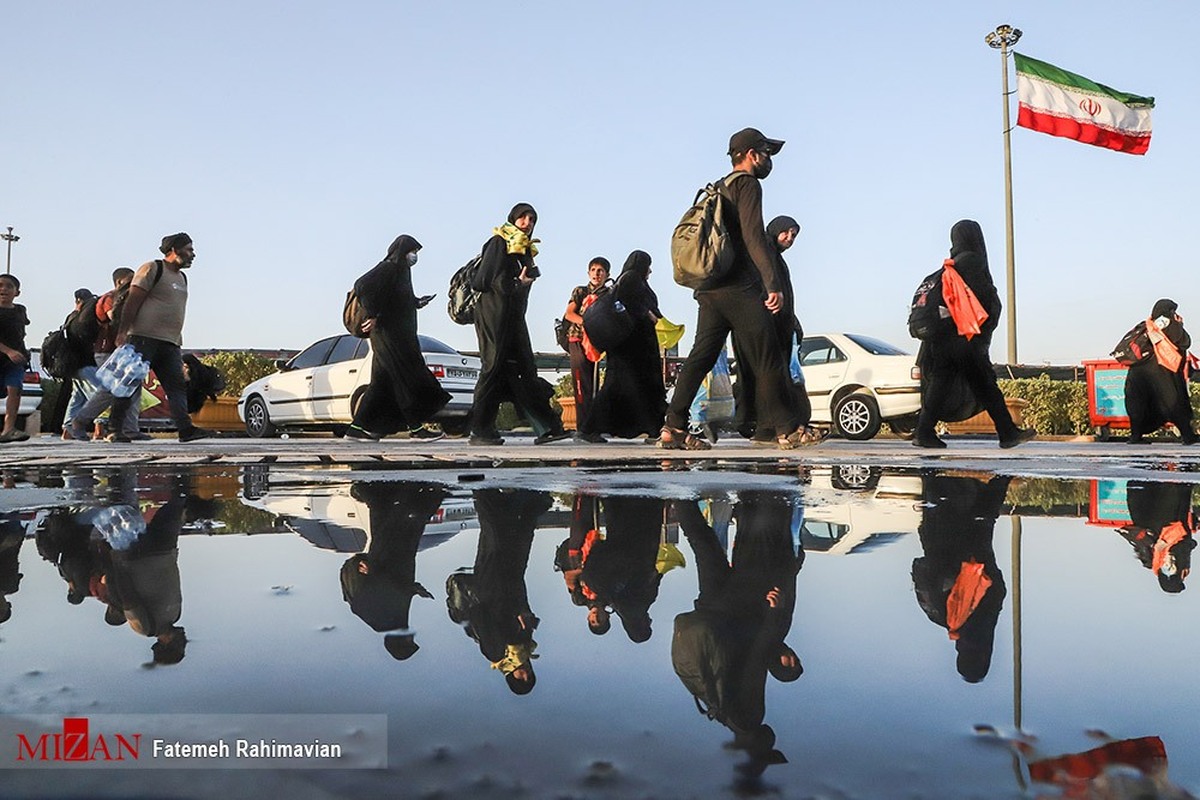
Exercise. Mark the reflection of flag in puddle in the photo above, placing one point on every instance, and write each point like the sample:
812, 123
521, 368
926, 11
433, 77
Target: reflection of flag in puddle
1089, 774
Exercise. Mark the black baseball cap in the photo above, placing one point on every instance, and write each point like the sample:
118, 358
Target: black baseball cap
753, 139
83, 295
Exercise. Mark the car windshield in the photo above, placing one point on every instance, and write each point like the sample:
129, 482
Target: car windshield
431, 345
874, 346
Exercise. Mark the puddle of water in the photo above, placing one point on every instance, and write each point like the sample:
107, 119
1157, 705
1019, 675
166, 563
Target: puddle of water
841, 631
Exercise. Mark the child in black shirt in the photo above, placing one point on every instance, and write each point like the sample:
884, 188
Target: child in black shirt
14, 358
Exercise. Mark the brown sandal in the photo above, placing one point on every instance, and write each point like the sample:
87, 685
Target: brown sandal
802, 437
674, 439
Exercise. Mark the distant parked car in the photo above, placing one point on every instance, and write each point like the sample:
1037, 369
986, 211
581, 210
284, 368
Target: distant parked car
856, 383
332, 518
31, 393
321, 386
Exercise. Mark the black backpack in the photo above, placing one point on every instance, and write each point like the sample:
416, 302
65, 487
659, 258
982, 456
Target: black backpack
925, 320
605, 319
463, 296
1134, 347
57, 361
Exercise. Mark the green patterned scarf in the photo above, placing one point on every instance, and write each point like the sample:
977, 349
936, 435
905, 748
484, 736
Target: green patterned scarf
517, 240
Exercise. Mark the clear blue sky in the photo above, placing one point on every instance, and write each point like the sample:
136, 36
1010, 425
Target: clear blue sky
294, 140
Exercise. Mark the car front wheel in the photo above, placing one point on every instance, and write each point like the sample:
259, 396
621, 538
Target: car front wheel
856, 417
258, 421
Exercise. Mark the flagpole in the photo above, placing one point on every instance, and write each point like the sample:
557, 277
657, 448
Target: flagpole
1004, 37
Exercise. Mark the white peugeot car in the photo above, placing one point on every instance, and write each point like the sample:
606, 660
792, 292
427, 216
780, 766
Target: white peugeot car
856, 383
320, 387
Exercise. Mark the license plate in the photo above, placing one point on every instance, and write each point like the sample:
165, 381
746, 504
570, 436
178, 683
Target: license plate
461, 373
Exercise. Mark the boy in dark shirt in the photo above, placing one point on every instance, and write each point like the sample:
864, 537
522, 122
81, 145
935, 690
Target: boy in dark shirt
14, 358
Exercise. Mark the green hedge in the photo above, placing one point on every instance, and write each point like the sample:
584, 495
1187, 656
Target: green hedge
239, 369
1061, 407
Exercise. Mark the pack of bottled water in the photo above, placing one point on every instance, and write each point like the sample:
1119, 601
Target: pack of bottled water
120, 525
122, 372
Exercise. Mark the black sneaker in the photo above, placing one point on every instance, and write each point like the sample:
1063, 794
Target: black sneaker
355, 432
1023, 435
190, 435
426, 434
551, 436
932, 442
590, 438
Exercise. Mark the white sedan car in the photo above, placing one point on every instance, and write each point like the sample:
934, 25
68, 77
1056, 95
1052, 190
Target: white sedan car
319, 388
856, 383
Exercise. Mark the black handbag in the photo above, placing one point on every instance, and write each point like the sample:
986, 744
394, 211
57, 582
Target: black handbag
606, 321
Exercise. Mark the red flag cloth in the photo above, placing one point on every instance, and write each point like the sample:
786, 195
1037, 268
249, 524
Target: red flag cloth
964, 307
966, 595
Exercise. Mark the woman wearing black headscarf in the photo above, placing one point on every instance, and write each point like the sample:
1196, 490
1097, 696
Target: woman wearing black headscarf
403, 393
1156, 393
782, 231
632, 401
505, 275
949, 356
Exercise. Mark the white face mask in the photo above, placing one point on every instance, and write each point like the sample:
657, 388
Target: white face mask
412, 258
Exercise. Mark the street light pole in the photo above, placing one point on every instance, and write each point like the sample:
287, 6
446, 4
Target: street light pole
1004, 37
9, 237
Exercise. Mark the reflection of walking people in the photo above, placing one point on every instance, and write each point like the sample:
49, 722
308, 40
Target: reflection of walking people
491, 602
12, 535
380, 584
1161, 530
745, 303
957, 580
143, 580
620, 573
583, 369
632, 401
724, 649
960, 349
1156, 389
505, 276
403, 393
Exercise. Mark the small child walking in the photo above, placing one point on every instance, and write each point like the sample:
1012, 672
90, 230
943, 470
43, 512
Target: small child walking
14, 358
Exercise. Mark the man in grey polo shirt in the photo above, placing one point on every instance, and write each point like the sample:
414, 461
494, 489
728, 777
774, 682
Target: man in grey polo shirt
152, 323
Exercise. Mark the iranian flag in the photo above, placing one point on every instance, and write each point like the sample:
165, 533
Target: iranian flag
1062, 103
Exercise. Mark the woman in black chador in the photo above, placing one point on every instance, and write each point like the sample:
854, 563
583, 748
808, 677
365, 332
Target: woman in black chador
491, 601
1160, 530
957, 581
380, 584
632, 401
403, 393
506, 274
1156, 392
949, 356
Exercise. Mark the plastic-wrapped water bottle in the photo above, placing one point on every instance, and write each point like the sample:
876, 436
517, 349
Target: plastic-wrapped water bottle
120, 525
123, 372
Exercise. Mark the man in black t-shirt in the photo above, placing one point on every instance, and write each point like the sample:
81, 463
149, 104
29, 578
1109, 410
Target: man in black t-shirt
744, 303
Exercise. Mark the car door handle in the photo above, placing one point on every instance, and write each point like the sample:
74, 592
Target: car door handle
308, 377
353, 371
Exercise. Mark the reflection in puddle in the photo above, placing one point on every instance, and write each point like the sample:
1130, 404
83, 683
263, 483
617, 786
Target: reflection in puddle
625, 635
